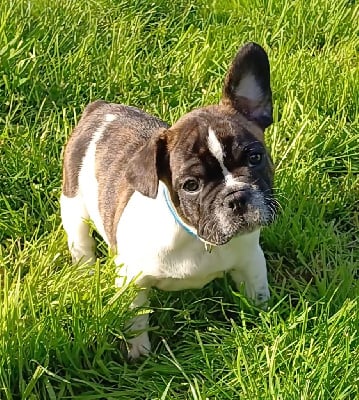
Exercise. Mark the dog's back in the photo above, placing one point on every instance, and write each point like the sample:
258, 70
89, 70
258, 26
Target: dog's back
119, 130
107, 132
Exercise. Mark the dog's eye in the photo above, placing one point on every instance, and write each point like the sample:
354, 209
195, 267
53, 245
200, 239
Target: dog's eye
191, 185
255, 159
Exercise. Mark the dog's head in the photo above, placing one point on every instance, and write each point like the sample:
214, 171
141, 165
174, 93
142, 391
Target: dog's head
213, 160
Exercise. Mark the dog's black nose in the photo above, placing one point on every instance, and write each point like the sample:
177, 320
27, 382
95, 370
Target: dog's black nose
237, 201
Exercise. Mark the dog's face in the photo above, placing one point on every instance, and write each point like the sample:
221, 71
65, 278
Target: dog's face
221, 174
214, 161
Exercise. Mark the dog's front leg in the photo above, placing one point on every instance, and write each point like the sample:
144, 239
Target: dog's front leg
139, 344
254, 276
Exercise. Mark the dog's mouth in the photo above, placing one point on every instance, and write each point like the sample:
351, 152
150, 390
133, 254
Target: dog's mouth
218, 228
221, 238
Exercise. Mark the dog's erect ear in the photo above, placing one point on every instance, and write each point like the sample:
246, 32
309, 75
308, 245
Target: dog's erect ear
144, 168
247, 85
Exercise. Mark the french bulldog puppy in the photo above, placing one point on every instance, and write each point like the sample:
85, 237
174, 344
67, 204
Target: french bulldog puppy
180, 205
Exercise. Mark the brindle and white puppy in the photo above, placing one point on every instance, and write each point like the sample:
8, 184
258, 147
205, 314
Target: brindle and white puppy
162, 196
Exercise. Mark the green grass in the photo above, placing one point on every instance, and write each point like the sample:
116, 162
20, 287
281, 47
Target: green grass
60, 327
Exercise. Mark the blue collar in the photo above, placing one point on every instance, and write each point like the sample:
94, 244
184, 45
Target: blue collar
175, 215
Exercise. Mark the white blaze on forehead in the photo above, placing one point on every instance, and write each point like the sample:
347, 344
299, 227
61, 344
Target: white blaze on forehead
215, 147
249, 88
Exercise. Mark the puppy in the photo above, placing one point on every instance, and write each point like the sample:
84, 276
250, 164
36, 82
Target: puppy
180, 205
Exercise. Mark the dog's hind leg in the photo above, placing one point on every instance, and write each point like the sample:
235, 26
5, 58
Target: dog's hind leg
74, 220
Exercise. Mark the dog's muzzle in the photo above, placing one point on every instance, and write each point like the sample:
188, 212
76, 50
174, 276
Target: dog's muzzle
237, 211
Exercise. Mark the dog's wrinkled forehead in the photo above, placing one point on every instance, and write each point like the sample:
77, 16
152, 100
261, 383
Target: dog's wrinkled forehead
213, 137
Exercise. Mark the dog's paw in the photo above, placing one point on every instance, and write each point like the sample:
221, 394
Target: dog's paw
138, 346
262, 297
258, 295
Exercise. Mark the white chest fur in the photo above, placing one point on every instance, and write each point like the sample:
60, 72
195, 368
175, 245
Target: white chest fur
153, 247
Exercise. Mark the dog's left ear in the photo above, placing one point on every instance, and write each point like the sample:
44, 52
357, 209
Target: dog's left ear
247, 85
144, 168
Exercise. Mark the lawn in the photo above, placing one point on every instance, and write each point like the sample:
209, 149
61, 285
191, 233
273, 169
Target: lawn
61, 327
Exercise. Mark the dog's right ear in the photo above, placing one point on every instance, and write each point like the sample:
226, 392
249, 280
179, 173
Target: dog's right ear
143, 170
